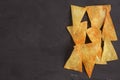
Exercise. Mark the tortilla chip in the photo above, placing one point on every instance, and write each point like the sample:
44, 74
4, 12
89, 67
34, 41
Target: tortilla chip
99, 56
108, 8
80, 35
75, 60
94, 35
96, 15
77, 15
89, 52
108, 29
109, 53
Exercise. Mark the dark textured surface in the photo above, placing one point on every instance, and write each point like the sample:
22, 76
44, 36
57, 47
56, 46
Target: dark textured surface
34, 42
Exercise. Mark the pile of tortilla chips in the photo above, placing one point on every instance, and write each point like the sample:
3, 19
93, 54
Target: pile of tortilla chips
101, 30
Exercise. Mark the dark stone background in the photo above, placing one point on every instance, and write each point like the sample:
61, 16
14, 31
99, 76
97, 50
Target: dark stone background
34, 42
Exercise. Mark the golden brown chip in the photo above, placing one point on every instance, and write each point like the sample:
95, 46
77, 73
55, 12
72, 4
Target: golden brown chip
89, 52
77, 15
94, 35
109, 53
99, 56
75, 60
108, 29
108, 8
80, 35
96, 15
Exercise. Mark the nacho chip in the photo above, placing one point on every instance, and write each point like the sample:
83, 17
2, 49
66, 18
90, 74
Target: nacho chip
94, 35
109, 53
75, 60
80, 35
108, 29
99, 56
77, 15
96, 15
89, 52
108, 8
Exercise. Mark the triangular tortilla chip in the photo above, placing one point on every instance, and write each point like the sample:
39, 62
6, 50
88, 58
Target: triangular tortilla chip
109, 53
96, 15
108, 29
77, 15
75, 60
94, 35
99, 56
108, 8
80, 35
89, 52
